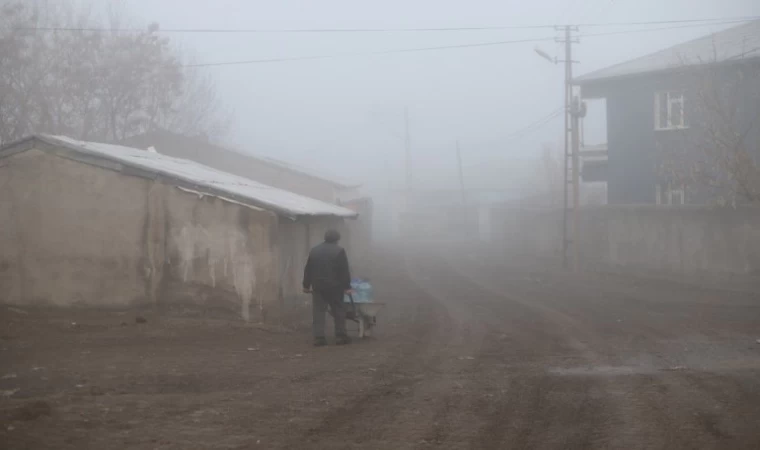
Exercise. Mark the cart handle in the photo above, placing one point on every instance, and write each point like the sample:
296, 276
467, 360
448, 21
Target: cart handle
353, 306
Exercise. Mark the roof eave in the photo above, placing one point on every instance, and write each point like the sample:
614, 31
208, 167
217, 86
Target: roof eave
271, 162
282, 165
583, 80
17, 146
28, 143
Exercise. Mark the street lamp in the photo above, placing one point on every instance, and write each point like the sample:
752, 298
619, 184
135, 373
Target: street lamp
546, 56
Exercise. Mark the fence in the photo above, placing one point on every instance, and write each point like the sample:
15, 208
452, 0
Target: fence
684, 240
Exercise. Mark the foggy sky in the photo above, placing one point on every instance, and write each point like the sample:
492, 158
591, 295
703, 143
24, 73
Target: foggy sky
346, 114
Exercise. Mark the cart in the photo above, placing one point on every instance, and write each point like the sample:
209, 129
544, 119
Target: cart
365, 314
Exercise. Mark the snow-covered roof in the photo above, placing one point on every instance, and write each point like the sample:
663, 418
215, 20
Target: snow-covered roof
340, 182
203, 179
736, 43
186, 146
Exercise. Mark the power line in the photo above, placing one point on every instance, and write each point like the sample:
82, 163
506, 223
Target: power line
383, 52
379, 30
290, 30
436, 48
535, 125
671, 22
612, 33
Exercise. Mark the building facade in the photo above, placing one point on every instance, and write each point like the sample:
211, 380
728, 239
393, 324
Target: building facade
110, 226
668, 112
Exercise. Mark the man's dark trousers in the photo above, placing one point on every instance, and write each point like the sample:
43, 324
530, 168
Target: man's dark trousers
321, 301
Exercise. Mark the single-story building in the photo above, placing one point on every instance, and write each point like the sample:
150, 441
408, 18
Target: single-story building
104, 225
308, 182
305, 181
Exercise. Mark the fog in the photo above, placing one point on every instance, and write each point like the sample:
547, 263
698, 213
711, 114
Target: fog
423, 270
346, 114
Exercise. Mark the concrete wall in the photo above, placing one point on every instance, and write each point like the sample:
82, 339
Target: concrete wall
76, 234
522, 231
294, 250
691, 241
219, 250
70, 233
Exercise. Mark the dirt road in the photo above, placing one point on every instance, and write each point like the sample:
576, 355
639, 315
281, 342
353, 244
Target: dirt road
469, 354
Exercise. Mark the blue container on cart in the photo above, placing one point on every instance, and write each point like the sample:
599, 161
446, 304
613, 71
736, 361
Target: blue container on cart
363, 292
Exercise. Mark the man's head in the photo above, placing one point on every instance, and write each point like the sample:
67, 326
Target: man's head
332, 236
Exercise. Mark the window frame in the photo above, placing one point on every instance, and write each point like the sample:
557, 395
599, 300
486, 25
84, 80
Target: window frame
671, 98
666, 193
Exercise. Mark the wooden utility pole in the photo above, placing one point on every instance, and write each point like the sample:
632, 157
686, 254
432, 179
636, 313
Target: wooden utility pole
461, 175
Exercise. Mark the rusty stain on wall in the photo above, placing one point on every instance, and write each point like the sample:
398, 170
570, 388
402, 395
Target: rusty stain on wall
222, 251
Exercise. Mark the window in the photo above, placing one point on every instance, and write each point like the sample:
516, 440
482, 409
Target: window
669, 111
668, 194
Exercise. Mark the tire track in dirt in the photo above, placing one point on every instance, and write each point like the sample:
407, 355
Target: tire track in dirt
698, 409
653, 419
368, 415
436, 377
519, 417
674, 409
510, 415
525, 416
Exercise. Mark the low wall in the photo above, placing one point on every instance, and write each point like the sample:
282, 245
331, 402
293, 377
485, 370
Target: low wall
692, 241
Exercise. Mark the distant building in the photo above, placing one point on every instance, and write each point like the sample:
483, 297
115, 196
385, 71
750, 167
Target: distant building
441, 206
653, 111
104, 225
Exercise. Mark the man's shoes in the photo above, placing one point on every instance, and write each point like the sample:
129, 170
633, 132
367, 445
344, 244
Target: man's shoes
342, 340
320, 342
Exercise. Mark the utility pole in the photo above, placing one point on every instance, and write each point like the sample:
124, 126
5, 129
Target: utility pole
571, 152
461, 175
575, 114
407, 165
573, 111
408, 150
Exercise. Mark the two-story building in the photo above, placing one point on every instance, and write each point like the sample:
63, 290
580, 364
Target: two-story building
677, 110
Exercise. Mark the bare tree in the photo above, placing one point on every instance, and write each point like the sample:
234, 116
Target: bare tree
720, 152
93, 84
197, 110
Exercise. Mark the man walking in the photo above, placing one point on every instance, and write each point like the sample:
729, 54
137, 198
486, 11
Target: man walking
327, 278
